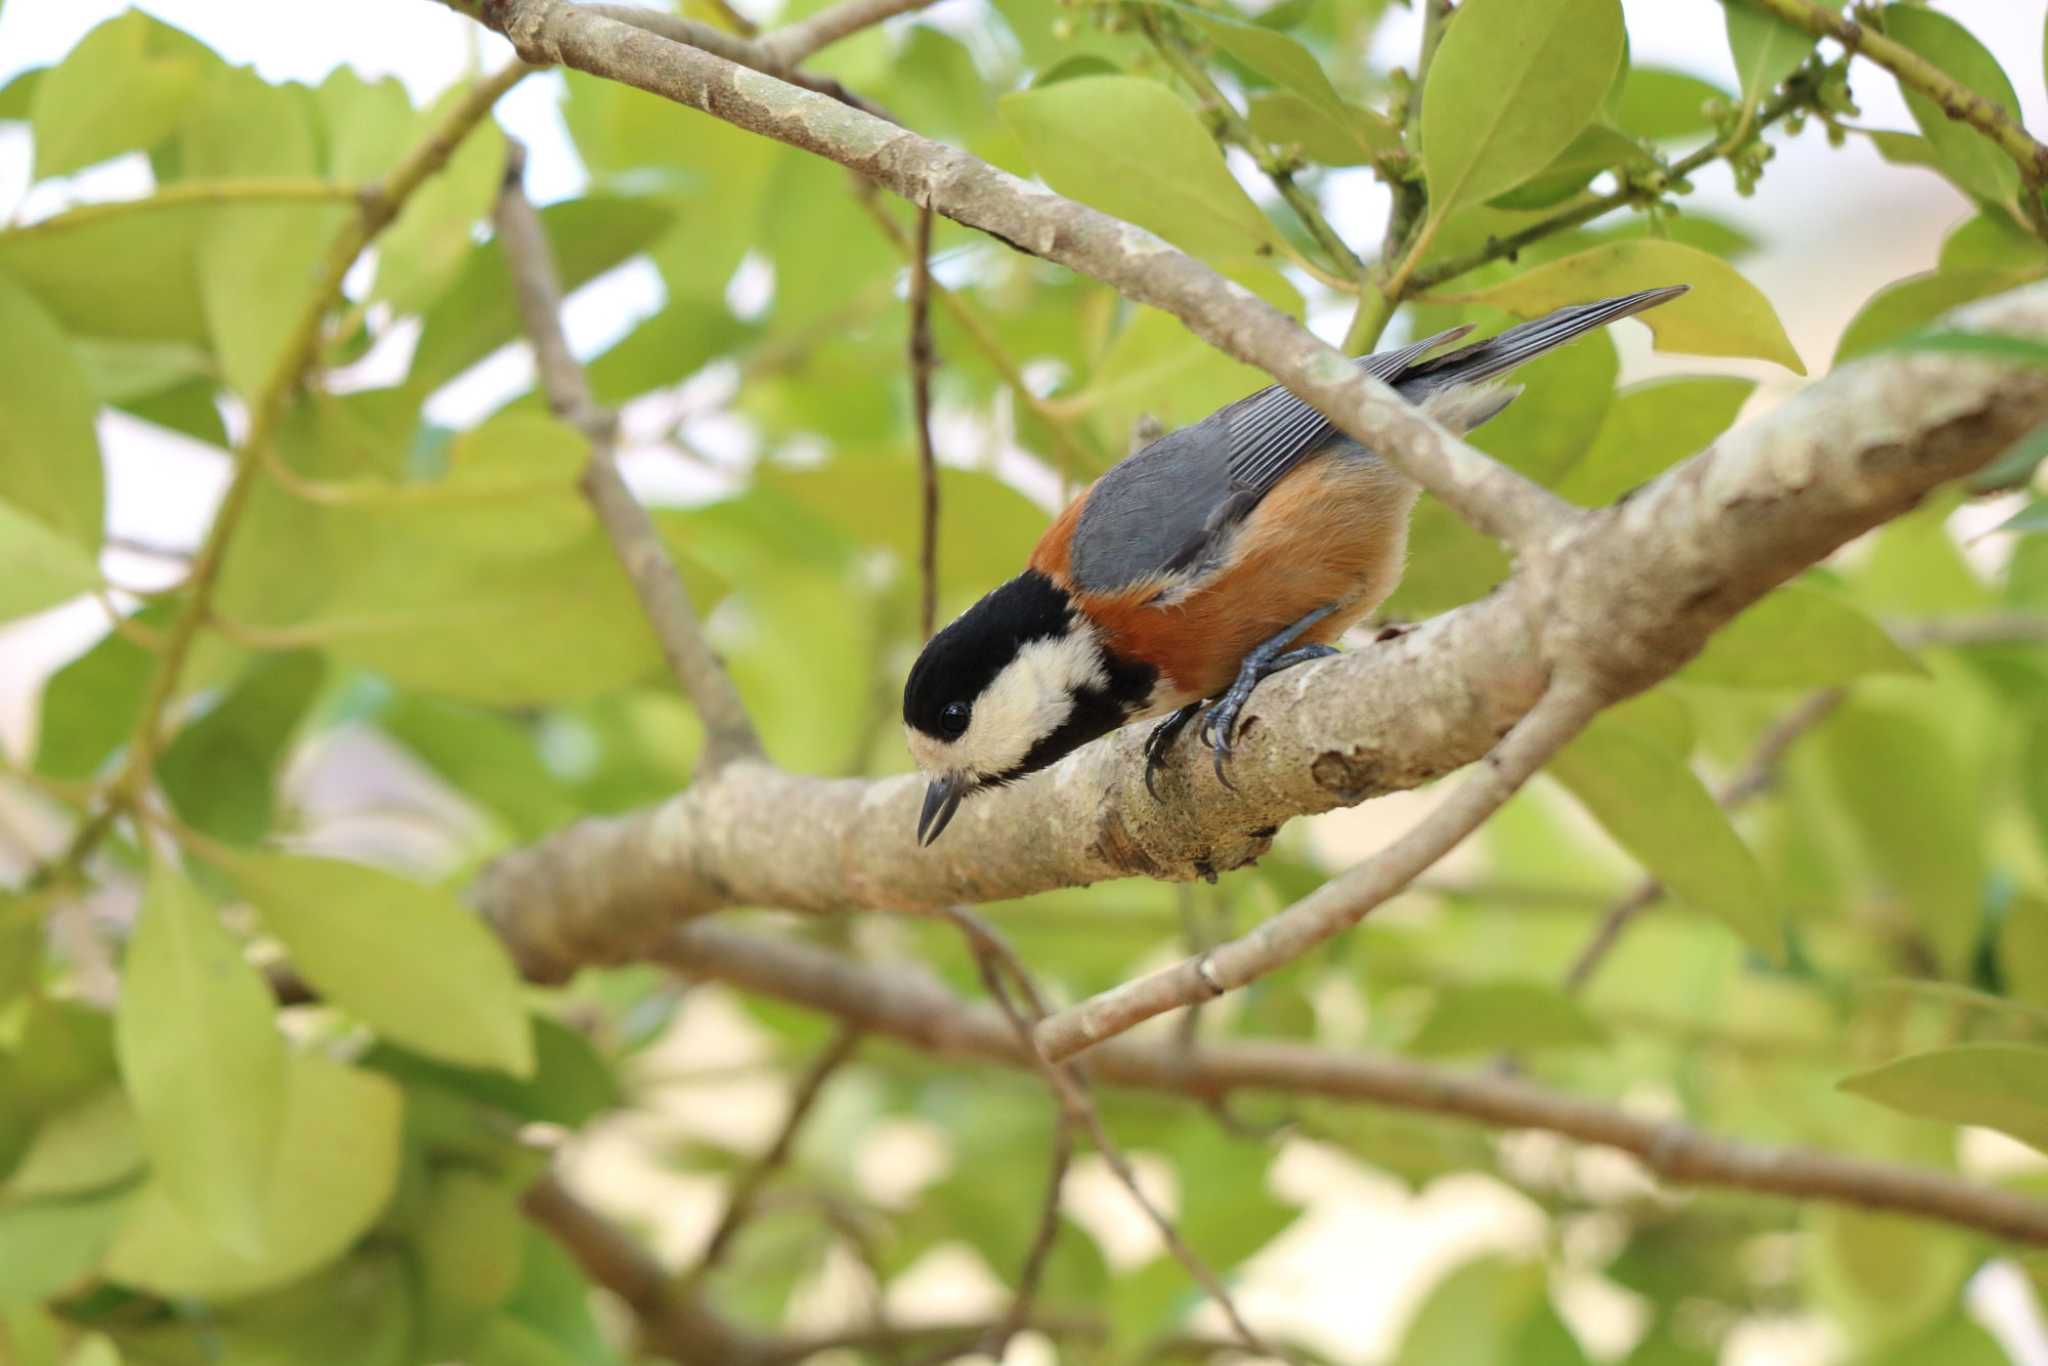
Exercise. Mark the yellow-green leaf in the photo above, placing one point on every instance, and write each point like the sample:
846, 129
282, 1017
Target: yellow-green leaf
1512, 84
410, 960
202, 1061
1904, 306
337, 1166
1766, 48
1129, 147
123, 87
38, 567
1997, 1085
1723, 315
420, 254
49, 452
1654, 806
1484, 1017
1798, 637
1974, 162
1649, 428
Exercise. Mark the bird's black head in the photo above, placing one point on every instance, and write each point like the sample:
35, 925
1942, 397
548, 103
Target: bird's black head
1019, 681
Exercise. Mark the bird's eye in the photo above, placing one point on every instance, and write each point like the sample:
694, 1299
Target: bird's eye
953, 720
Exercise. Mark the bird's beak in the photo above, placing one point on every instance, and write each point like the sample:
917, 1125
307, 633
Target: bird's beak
941, 800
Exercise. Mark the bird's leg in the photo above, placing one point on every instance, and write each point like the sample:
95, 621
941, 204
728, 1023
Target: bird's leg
1269, 658
1161, 739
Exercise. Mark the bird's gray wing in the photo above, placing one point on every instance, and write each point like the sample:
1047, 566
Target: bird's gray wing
1164, 510
1272, 431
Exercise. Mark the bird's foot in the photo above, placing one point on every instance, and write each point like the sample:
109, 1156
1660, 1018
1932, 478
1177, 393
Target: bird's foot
1219, 725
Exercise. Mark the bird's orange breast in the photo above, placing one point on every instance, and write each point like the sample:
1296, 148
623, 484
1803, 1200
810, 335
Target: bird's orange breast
1332, 532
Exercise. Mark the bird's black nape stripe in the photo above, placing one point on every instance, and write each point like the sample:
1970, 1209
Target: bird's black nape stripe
1097, 711
959, 663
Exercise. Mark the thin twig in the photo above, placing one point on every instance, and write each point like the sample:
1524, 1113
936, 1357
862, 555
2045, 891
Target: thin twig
1339, 903
1799, 93
1916, 73
792, 43
1237, 129
922, 359
995, 958
729, 732
909, 1005
746, 1187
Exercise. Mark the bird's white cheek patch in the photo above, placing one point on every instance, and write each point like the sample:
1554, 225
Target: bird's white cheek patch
1029, 700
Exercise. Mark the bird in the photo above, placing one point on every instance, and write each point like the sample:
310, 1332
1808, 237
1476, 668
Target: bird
1213, 557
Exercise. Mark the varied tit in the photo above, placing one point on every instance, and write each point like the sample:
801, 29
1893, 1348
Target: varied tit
1217, 555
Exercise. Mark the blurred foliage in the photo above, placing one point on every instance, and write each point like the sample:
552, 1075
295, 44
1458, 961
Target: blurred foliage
1857, 960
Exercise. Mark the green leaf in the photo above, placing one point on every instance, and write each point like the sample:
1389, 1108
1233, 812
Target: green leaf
358, 1313
48, 1246
1512, 84
1798, 637
1646, 796
2031, 518
1907, 791
478, 313
1991, 240
1997, 1085
1352, 138
1274, 55
1658, 105
337, 1167
1129, 147
1485, 1017
89, 1145
123, 88
202, 1062
1766, 48
416, 964
1599, 148
471, 1243
1903, 307
219, 771
2023, 939
88, 707
570, 1084
2014, 469
49, 452
1650, 427
1489, 1310
38, 567
369, 124
1884, 1275
1963, 154
422, 251
126, 275
17, 97
493, 761
1723, 315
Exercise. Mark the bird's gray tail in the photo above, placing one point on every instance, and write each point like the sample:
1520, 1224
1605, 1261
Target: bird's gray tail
1524, 342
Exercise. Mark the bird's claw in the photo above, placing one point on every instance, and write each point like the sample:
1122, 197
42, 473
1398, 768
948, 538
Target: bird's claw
1161, 739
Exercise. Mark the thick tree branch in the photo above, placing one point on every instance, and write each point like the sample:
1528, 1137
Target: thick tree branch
1629, 600
906, 1004
729, 733
1499, 501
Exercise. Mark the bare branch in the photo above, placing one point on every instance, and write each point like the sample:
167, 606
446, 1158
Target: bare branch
1069, 1086
1496, 499
674, 1324
739, 1203
921, 360
908, 1005
792, 43
729, 733
1338, 904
